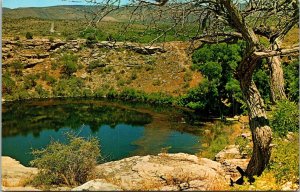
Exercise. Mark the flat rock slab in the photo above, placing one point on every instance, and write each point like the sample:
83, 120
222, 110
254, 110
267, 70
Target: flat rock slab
164, 172
97, 185
14, 174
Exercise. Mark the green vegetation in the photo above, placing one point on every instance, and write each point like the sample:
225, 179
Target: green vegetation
29, 35
215, 139
69, 64
285, 160
291, 76
217, 63
243, 146
42, 92
285, 117
70, 164
283, 167
71, 87
8, 84
261, 78
30, 81
129, 94
18, 66
93, 65
49, 79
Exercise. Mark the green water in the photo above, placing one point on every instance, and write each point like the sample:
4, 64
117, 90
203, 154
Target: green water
124, 129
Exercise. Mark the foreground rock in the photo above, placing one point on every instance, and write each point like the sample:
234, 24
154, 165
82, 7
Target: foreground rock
15, 176
161, 172
97, 185
164, 172
230, 158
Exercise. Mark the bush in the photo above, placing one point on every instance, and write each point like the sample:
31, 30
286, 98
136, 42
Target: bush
30, 81
42, 92
69, 87
18, 67
243, 146
29, 35
8, 85
285, 117
284, 161
90, 40
93, 65
51, 39
46, 77
69, 62
71, 163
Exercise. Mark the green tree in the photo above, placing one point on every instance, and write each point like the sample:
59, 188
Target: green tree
220, 92
285, 117
291, 75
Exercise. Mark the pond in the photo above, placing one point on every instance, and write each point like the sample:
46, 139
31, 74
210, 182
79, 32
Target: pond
123, 129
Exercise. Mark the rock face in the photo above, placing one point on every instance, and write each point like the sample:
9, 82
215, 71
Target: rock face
15, 175
164, 172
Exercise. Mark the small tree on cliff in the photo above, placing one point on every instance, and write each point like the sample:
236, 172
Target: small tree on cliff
215, 21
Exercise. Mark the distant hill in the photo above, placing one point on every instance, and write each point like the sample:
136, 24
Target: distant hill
72, 12
53, 12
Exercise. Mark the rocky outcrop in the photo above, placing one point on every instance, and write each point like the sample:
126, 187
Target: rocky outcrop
164, 172
15, 176
230, 158
152, 172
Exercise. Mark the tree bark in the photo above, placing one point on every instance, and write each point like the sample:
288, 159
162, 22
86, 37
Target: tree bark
276, 79
261, 132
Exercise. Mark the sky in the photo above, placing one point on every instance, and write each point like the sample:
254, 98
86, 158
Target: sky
40, 3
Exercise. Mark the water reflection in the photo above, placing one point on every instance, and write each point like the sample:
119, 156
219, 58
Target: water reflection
123, 129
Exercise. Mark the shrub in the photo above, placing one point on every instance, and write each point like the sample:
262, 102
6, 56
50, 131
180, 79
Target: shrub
69, 87
93, 65
188, 76
285, 117
133, 75
46, 77
18, 67
70, 65
71, 163
51, 39
29, 35
284, 161
8, 85
30, 81
42, 92
243, 146
21, 94
216, 139
90, 40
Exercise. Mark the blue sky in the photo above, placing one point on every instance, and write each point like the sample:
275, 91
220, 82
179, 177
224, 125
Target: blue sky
40, 3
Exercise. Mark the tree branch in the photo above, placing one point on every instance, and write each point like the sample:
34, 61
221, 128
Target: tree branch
263, 54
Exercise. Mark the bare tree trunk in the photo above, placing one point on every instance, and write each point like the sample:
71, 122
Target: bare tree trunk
276, 79
261, 132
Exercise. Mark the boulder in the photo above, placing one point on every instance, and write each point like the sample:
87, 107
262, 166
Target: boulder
164, 172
